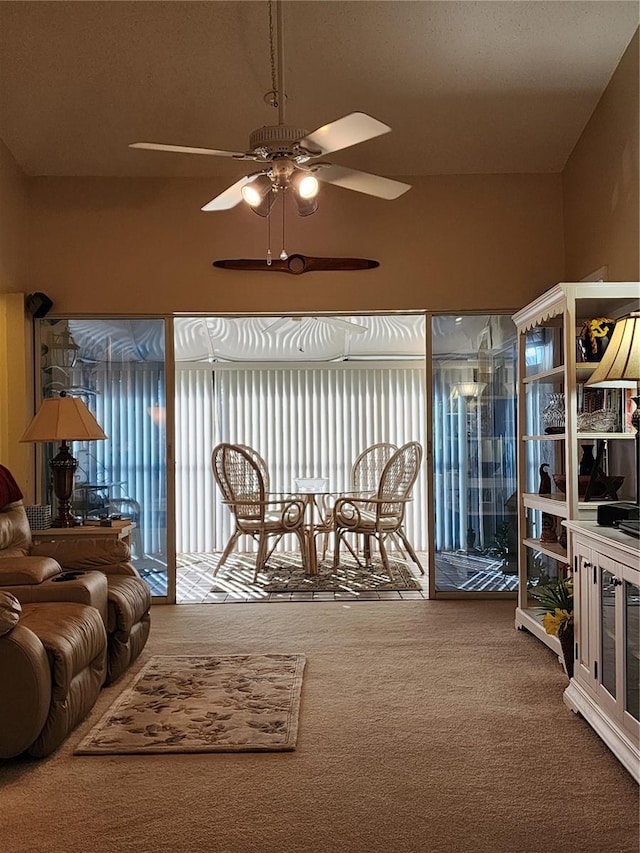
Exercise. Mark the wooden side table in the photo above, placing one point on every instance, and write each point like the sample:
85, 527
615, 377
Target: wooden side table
53, 534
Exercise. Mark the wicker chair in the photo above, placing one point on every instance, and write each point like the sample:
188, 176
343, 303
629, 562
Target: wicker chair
241, 480
366, 470
260, 462
364, 480
381, 515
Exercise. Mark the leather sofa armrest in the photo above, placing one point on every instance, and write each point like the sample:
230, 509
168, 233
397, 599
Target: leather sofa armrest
110, 556
25, 697
27, 570
86, 588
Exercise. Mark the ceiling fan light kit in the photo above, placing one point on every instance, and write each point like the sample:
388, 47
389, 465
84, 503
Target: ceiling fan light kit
289, 155
307, 187
256, 190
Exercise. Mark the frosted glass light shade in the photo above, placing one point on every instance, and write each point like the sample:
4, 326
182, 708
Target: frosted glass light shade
468, 389
308, 187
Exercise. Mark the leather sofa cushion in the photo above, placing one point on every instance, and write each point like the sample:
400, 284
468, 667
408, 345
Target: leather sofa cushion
73, 636
15, 533
129, 601
10, 610
108, 555
27, 570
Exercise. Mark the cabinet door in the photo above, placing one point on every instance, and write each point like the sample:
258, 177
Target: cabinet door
610, 683
585, 609
630, 664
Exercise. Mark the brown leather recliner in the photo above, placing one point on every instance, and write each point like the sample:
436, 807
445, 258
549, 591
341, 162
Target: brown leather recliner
24, 567
53, 662
129, 597
53, 638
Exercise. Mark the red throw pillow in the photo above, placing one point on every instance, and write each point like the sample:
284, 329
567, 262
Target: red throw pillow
9, 489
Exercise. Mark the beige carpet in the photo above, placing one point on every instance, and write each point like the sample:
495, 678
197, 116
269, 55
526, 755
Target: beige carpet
427, 727
204, 703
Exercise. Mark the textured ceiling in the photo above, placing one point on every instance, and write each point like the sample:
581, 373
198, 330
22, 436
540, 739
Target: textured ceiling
468, 87
301, 338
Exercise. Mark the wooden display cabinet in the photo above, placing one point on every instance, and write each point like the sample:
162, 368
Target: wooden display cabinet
552, 428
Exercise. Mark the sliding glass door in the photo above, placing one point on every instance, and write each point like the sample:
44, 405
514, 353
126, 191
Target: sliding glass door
474, 454
117, 367
309, 393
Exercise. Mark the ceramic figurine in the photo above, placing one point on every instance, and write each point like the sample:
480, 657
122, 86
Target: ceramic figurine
548, 528
545, 481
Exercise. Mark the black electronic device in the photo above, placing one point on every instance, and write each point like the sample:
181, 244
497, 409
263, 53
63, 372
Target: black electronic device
610, 514
38, 305
631, 526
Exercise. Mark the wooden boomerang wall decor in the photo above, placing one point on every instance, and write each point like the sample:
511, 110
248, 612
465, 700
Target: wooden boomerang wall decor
298, 264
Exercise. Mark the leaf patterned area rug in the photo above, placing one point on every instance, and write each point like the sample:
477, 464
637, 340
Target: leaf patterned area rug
284, 573
349, 577
206, 703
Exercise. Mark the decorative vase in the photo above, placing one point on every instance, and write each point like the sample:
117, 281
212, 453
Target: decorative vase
553, 414
587, 462
565, 635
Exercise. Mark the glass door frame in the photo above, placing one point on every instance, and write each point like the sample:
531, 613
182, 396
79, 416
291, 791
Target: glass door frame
169, 387
430, 460
169, 381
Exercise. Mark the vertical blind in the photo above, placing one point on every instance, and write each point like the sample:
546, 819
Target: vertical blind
133, 457
306, 421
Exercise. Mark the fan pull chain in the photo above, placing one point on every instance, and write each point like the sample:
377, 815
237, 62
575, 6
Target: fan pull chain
269, 239
283, 253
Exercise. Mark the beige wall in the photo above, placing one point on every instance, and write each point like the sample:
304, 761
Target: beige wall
13, 221
482, 242
600, 183
143, 246
15, 361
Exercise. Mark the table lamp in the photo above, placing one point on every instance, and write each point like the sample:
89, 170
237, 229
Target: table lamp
620, 368
63, 419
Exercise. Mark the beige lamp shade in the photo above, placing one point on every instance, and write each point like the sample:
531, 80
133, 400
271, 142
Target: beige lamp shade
63, 419
620, 365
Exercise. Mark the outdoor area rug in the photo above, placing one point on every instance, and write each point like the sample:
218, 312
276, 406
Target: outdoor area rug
284, 573
206, 703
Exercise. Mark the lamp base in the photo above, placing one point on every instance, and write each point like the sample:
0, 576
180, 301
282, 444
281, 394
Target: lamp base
63, 469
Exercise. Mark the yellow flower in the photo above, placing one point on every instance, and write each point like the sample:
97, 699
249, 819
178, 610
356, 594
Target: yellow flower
552, 621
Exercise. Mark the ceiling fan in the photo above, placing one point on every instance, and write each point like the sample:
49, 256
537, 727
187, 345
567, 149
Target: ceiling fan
289, 157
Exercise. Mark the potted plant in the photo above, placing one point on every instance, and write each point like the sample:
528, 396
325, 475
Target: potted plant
556, 601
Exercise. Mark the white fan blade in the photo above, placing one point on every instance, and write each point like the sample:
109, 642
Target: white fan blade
362, 182
231, 196
185, 149
344, 132
347, 325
